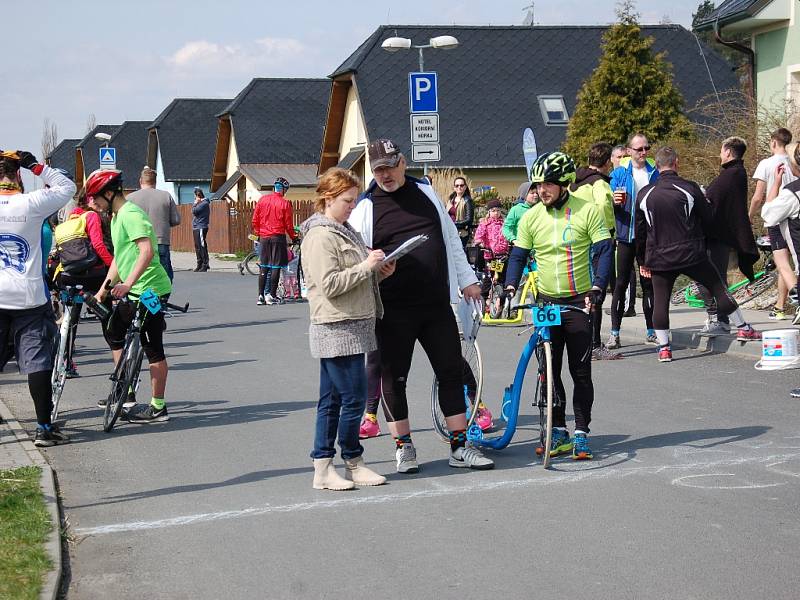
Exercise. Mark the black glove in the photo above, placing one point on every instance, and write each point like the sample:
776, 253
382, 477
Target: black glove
595, 297
27, 160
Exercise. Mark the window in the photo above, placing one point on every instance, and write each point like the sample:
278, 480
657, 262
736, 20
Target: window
554, 111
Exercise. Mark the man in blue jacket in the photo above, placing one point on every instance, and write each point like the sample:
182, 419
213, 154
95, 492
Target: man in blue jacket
626, 181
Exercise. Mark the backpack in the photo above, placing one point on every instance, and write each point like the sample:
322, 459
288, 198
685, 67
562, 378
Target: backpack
73, 245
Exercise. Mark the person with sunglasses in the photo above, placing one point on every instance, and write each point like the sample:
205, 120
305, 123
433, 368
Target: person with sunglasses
461, 209
626, 182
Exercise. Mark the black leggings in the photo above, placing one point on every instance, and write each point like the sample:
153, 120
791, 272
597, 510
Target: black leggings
274, 280
373, 381
574, 333
434, 326
719, 255
626, 253
703, 273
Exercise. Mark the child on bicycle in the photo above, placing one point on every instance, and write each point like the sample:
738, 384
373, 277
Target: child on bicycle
136, 268
489, 235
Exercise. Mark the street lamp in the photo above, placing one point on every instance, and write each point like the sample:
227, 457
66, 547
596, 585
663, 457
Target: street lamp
103, 138
441, 42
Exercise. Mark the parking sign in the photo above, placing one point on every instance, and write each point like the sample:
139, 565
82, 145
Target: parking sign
423, 93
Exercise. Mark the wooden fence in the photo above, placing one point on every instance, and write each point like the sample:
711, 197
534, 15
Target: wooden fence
231, 222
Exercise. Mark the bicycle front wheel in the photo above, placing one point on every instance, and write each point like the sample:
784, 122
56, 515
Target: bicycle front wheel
251, 262
753, 290
123, 380
59, 376
679, 297
472, 377
543, 399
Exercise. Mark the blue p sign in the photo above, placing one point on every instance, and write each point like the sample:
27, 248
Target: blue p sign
423, 92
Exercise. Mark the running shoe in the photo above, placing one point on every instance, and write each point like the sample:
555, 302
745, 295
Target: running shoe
147, 414
369, 428
796, 319
713, 327
560, 444
748, 334
651, 339
484, 418
603, 353
406, 456
580, 447
469, 457
631, 312
269, 300
777, 314
613, 342
72, 371
49, 436
665, 354
260, 301
795, 393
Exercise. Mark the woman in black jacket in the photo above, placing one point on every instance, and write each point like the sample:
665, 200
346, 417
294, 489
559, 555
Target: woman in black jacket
461, 209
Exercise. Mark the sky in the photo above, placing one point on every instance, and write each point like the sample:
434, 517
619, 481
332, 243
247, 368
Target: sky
127, 59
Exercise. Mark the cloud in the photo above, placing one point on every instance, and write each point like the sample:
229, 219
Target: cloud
269, 54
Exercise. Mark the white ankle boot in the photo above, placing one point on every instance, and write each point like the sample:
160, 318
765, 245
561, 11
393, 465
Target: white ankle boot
356, 471
326, 477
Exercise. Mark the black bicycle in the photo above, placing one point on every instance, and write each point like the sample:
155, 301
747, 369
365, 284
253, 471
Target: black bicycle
125, 377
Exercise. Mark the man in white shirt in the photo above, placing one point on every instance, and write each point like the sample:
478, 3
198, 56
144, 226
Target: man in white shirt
26, 315
765, 176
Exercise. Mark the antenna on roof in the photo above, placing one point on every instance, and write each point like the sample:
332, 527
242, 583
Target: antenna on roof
529, 21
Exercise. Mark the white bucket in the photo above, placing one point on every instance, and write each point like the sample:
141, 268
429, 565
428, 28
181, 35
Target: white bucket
779, 350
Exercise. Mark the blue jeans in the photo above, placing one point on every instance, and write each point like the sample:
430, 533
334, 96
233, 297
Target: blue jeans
342, 397
166, 262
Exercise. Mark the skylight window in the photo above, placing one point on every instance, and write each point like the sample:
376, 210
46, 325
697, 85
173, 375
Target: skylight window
554, 111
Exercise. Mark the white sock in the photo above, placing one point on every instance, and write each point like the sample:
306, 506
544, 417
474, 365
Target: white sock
663, 337
577, 431
737, 320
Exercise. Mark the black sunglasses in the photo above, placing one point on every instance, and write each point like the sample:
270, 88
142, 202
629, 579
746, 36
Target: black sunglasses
642, 149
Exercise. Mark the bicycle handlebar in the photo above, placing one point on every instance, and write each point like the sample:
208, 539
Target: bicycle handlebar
567, 307
183, 309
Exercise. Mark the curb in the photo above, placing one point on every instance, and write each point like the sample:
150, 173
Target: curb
48, 486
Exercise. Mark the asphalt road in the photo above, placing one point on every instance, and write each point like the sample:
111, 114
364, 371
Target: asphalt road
693, 492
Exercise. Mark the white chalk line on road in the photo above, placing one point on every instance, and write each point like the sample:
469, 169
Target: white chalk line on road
438, 489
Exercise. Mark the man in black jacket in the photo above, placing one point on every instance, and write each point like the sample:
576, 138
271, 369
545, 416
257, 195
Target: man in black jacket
670, 216
729, 226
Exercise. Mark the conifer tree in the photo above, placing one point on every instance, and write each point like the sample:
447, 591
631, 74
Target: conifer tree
630, 90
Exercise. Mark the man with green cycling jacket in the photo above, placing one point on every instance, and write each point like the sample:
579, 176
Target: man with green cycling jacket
135, 269
565, 232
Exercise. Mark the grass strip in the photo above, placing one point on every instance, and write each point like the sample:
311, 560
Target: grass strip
24, 525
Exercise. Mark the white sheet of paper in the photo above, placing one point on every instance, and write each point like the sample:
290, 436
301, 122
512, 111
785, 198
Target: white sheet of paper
406, 247
470, 315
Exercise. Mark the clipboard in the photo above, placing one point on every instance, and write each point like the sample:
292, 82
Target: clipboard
406, 247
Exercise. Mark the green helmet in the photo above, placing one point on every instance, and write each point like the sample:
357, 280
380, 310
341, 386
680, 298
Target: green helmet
553, 167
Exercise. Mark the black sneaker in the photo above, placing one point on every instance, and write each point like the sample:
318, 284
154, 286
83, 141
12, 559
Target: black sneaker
147, 414
49, 437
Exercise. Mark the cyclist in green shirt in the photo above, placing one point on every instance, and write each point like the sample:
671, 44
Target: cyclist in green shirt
564, 232
135, 269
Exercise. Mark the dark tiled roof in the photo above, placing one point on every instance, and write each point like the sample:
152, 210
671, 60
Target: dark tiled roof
730, 10
130, 140
187, 136
489, 84
63, 156
280, 120
90, 147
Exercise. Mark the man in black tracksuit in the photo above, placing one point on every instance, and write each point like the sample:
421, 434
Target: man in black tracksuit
730, 226
670, 240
